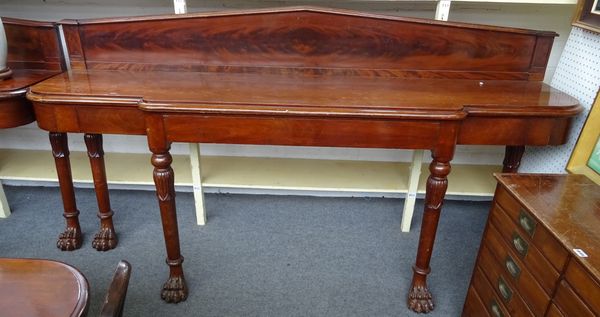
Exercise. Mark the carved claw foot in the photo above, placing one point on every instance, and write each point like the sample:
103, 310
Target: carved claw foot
420, 299
69, 240
105, 239
175, 290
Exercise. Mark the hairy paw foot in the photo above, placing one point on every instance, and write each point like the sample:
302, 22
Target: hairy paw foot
105, 239
420, 300
69, 240
175, 290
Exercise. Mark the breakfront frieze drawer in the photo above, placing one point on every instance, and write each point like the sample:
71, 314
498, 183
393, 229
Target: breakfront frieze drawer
540, 251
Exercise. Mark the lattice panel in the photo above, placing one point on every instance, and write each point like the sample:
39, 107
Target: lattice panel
578, 74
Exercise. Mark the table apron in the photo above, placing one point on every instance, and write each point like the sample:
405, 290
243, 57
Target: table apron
304, 131
90, 119
333, 132
511, 130
15, 112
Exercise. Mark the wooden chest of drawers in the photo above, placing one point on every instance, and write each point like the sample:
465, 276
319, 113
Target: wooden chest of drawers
540, 252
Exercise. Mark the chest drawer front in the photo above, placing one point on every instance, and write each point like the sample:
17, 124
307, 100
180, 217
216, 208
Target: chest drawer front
487, 290
584, 285
569, 303
515, 273
528, 226
483, 288
531, 257
553, 311
474, 306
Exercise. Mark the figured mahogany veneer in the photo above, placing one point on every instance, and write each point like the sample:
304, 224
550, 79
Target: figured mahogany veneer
528, 250
308, 40
32, 45
301, 76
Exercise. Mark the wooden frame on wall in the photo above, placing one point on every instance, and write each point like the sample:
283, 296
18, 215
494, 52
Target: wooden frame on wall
585, 158
587, 15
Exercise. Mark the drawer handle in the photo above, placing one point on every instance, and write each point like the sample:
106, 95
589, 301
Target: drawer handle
496, 309
505, 291
520, 244
526, 222
512, 267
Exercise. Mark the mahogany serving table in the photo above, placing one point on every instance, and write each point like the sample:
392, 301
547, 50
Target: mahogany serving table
299, 76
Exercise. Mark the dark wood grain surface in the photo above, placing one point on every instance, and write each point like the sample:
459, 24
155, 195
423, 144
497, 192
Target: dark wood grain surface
22, 79
503, 112
313, 40
32, 45
290, 94
536, 224
41, 288
571, 209
15, 109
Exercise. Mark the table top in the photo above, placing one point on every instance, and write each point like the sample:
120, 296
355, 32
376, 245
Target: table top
568, 205
21, 79
15, 110
35, 287
298, 93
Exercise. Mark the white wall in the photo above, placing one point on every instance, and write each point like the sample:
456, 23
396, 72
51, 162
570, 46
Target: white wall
544, 17
577, 74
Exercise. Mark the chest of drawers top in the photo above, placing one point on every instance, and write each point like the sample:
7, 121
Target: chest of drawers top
568, 206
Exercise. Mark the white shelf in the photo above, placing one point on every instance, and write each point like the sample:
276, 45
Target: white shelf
234, 173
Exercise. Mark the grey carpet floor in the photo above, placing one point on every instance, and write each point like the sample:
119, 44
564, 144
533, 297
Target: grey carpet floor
258, 255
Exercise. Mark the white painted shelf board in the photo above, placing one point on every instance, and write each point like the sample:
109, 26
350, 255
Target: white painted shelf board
466, 180
252, 173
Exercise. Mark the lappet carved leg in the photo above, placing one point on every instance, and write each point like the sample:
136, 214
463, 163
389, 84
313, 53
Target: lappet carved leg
512, 158
175, 289
106, 238
71, 238
419, 298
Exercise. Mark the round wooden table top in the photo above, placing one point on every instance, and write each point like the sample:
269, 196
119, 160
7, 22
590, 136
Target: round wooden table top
35, 287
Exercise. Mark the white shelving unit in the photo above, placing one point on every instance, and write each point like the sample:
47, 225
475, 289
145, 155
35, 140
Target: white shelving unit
231, 174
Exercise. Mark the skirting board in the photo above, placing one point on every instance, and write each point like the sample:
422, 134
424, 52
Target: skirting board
251, 174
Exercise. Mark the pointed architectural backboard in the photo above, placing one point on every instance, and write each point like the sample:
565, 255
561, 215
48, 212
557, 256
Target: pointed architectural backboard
309, 40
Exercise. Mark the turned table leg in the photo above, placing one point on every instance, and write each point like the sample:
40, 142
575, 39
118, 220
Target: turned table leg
419, 298
175, 289
512, 158
106, 238
71, 238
